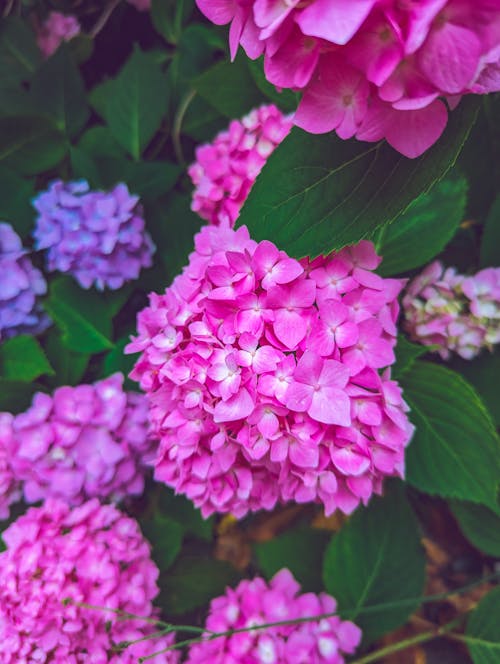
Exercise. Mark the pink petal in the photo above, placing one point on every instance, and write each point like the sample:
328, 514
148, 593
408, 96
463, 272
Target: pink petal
219, 12
308, 368
330, 406
334, 20
333, 374
290, 328
298, 397
413, 132
293, 64
346, 334
348, 461
266, 359
304, 456
237, 407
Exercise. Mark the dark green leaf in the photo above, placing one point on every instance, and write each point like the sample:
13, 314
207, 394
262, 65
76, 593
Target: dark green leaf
30, 144
83, 316
483, 372
98, 141
376, 558
149, 180
300, 550
165, 536
455, 451
15, 206
490, 242
183, 511
15, 396
480, 525
135, 103
424, 229
286, 99
168, 17
201, 121
69, 366
59, 92
483, 634
19, 53
84, 166
116, 360
22, 359
229, 88
320, 193
406, 354
15, 100
193, 581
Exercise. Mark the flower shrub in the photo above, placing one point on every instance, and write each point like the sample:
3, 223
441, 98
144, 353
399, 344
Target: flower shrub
256, 603
89, 441
91, 555
371, 69
262, 374
56, 28
20, 287
97, 237
226, 169
454, 312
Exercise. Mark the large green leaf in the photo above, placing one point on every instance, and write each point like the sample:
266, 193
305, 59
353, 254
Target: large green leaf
15, 206
15, 396
455, 451
69, 365
147, 179
424, 229
319, 193
135, 102
480, 525
490, 242
19, 53
58, 91
376, 558
168, 17
83, 317
30, 144
22, 359
183, 511
482, 372
406, 354
301, 550
165, 536
483, 633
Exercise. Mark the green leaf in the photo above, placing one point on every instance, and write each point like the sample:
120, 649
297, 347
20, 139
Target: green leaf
16, 396
193, 581
19, 53
149, 180
406, 354
490, 242
165, 536
59, 92
376, 558
116, 360
84, 166
98, 141
135, 102
15, 196
480, 525
300, 550
320, 193
286, 99
69, 366
482, 372
424, 229
229, 88
168, 17
183, 511
483, 634
22, 359
83, 316
455, 451
30, 144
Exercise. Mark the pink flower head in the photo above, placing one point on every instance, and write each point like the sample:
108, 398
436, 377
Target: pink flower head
371, 68
256, 602
140, 5
82, 442
226, 169
56, 29
10, 489
91, 555
263, 376
453, 312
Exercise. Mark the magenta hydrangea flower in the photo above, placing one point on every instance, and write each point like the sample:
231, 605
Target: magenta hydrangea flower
91, 555
141, 5
56, 28
264, 376
98, 237
371, 68
82, 442
10, 488
454, 312
256, 602
226, 169
20, 286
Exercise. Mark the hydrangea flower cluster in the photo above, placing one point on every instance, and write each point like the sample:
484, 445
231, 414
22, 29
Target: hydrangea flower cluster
140, 5
96, 236
226, 169
83, 442
56, 28
262, 374
454, 312
20, 285
256, 603
371, 68
91, 555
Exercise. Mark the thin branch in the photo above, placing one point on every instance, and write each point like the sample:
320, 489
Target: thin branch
104, 18
177, 126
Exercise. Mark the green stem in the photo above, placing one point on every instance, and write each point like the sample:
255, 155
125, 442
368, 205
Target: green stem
177, 126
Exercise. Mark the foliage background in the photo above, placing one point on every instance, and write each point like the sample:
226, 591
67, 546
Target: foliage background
131, 104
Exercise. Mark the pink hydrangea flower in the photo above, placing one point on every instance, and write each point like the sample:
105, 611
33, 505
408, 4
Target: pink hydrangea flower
92, 555
10, 488
56, 28
82, 442
267, 377
454, 312
141, 5
256, 602
226, 169
371, 68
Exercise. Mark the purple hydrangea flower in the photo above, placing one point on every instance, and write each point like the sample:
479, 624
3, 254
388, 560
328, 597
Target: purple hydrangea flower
20, 284
98, 237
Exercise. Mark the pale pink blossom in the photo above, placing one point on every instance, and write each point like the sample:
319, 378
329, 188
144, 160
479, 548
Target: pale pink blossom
56, 28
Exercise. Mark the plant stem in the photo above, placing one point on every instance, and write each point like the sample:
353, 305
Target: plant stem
104, 18
177, 126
